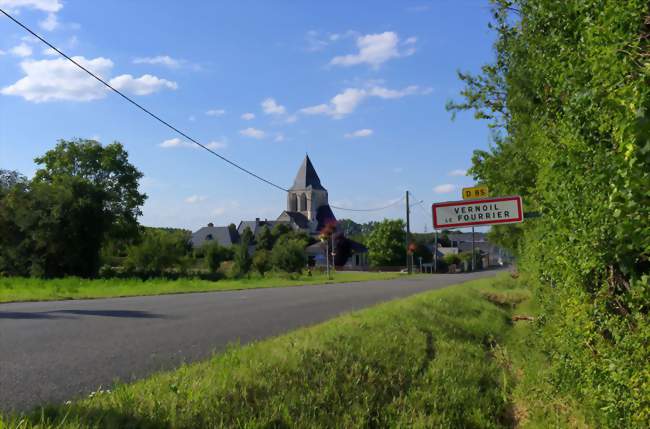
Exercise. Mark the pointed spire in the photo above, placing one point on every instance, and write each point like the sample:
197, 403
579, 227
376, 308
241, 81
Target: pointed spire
307, 176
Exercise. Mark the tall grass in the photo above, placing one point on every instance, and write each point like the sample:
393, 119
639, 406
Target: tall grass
33, 289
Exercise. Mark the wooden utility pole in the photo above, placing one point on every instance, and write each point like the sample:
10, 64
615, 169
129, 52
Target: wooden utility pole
435, 252
409, 268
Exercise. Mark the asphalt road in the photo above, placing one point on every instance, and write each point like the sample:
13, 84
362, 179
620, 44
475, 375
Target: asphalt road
54, 351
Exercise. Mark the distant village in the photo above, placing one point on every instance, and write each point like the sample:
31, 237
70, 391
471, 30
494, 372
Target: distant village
308, 211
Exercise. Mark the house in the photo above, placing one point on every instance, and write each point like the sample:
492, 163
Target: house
223, 235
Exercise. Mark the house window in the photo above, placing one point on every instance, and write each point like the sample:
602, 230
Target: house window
208, 237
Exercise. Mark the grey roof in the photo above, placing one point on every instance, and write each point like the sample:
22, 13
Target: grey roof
461, 237
307, 177
296, 217
220, 234
256, 225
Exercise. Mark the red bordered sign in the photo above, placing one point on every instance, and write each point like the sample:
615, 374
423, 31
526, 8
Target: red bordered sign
484, 211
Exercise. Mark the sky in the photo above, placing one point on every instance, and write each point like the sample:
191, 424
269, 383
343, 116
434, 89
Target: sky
360, 86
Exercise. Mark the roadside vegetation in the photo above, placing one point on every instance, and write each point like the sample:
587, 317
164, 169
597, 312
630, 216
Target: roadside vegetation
449, 358
568, 98
14, 289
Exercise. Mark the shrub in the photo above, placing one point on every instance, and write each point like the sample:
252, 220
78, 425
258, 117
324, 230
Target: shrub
262, 261
159, 251
289, 256
213, 256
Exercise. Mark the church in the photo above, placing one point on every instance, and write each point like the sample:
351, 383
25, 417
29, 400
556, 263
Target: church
307, 210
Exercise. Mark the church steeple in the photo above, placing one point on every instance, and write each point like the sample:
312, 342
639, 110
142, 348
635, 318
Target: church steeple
307, 177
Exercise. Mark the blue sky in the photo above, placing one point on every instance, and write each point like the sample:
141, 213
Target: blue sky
360, 86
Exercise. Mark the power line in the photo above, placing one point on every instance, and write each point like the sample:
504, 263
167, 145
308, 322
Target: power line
167, 124
139, 106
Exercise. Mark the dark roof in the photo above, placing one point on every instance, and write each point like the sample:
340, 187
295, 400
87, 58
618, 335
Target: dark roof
467, 236
324, 215
295, 217
307, 177
220, 234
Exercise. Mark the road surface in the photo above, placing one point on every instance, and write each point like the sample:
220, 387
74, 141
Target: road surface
54, 351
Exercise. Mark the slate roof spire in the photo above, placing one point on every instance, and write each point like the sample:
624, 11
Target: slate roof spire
307, 177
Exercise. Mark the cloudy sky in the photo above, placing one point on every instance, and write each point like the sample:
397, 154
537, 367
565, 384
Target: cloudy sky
360, 86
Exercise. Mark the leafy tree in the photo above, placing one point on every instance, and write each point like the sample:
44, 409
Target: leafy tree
262, 262
289, 255
280, 229
265, 239
107, 168
242, 259
213, 256
386, 243
349, 227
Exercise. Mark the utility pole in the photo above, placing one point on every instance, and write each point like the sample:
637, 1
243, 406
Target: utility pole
409, 268
473, 252
435, 252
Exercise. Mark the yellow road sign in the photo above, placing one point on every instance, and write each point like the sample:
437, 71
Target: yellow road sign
475, 192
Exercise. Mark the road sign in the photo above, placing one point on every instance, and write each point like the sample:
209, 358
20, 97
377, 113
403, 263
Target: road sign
475, 192
485, 211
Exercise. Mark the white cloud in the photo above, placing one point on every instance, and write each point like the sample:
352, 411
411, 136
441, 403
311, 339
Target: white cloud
279, 138
193, 199
347, 101
164, 60
192, 118
271, 107
458, 172
44, 5
291, 119
215, 112
22, 50
50, 23
253, 133
366, 132
216, 144
444, 189
374, 50
248, 116
219, 211
58, 79
398, 170
50, 52
143, 85
175, 142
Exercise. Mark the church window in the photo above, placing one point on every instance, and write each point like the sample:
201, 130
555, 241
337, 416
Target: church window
303, 203
293, 203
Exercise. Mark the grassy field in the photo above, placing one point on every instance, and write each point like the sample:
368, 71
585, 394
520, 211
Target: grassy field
449, 358
30, 289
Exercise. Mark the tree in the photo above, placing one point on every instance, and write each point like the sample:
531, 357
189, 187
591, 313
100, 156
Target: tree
289, 255
214, 255
386, 243
105, 167
262, 262
265, 239
242, 259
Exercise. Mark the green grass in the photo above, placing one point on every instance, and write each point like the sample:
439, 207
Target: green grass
449, 358
30, 289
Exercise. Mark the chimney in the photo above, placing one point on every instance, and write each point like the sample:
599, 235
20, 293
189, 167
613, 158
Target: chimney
257, 220
211, 225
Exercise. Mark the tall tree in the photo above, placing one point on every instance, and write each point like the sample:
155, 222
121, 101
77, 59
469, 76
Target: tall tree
386, 243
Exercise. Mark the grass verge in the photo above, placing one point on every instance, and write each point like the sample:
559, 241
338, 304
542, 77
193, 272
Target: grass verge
13, 289
450, 358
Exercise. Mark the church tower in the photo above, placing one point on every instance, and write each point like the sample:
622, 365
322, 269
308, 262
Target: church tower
307, 199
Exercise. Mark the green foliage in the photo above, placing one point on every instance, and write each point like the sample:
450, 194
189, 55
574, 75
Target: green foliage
214, 255
386, 243
265, 239
262, 262
451, 259
242, 259
289, 255
105, 167
159, 251
52, 229
569, 96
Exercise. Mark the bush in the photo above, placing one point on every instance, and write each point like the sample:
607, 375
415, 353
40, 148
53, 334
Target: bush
289, 256
262, 261
158, 252
213, 256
